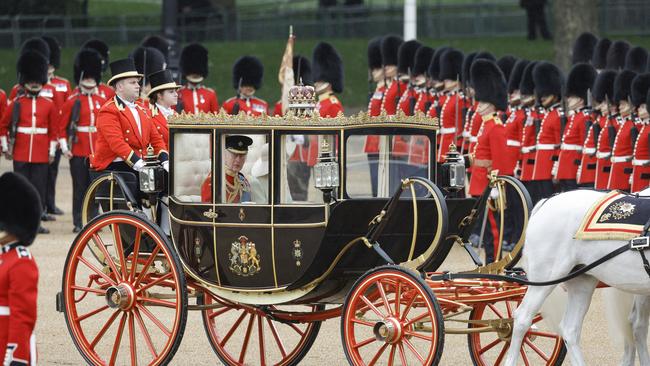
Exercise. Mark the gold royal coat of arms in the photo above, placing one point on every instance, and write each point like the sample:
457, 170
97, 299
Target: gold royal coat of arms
244, 259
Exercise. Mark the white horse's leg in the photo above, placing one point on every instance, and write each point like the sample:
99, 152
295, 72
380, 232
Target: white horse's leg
619, 308
580, 291
523, 318
639, 319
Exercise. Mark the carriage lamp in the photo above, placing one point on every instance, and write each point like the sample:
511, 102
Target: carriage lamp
452, 171
152, 177
326, 171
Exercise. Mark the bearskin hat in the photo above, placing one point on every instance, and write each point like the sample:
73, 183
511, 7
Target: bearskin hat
20, 212
148, 60
451, 65
640, 87
194, 60
389, 49
623, 85
434, 66
36, 44
548, 79
406, 56
302, 70
247, 71
636, 59
604, 86
55, 51
88, 62
422, 60
583, 48
32, 67
489, 83
527, 85
580, 80
506, 63
328, 66
100, 47
158, 43
467, 64
516, 75
616, 55
599, 57
374, 53
485, 55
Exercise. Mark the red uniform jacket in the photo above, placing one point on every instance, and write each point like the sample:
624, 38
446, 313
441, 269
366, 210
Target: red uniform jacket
37, 130
450, 123
57, 89
619, 177
572, 142
514, 130
424, 102
641, 161
548, 144
3, 102
328, 105
252, 106
528, 145
86, 136
374, 109
105, 91
199, 99
118, 136
587, 170
604, 154
409, 97
277, 109
18, 294
391, 97
160, 123
491, 145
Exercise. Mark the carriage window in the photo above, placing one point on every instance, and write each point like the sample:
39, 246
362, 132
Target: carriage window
192, 166
375, 164
297, 171
245, 173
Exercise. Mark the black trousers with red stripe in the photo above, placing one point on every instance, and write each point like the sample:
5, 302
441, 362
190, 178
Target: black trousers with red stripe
36, 174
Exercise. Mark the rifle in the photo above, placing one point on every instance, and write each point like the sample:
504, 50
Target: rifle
73, 123
412, 100
15, 118
235, 108
179, 105
588, 122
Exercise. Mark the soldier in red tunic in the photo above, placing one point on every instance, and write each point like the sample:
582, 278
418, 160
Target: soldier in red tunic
475, 120
19, 222
194, 97
78, 125
436, 96
405, 65
421, 80
605, 141
104, 90
301, 67
641, 160
579, 83
328, 79
528, 135
163, 97
394, 87
621, 159
516, 118
32, 120
451, 63
247, 76
471, 104
3, 102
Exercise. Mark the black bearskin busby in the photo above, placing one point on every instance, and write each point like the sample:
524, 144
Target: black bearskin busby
485, 55
583, 48
247, 71
489, 84
148, 60
158, 43
88, 62
599, 57
640, 87
422, 60
616, 55
101, 47
516, 74
506, 63
327, 66
32, 67
389, 49
434, 66
374, 54
604, 86
55, 51
467, 64
451, 65
194, 60
20, 212
623, 85
36, 44
406, 56
580, 80
636, 59
302, 70
527, 85
548, 80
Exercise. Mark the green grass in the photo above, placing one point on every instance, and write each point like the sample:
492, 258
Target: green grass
122, 7
353, 52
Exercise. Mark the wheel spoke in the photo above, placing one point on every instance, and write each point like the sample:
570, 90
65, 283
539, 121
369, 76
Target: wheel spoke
509, 309
145, 333
371, 306
364, 343
134, 350
276, 336
523, 355
362, 322
382, 293
118, 340
107, 257
297, 330
415, 352
94, 312
536, 349
419, 335
378, 354
408, 307
489, 346
136, 253
541, 334
159, 302
119, 247
247, 338
402, 356
495, 311
398, 298
155, 282
232, 329
97, 271
501, 354
108, 324
219, 312
391, 356
260, 330
150, 260
155, 320
418, 318
88, 289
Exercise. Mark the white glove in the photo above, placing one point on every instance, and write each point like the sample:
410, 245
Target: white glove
165, 165
494, 193
53, 145
138, 165
64, 145
4, 145
554, 169
630, 180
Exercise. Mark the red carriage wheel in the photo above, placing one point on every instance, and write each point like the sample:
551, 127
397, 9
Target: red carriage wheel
242, 335
130, 307
540, 346
391, 317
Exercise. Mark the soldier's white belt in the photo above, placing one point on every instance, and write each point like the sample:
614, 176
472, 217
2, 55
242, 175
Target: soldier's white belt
571, 147
546, 146
473, 139
513, 143
4, 311
447, 130
527, 149
621, 159
91, 129
32, 130
466, 134
639, 162
589, 150
603, 155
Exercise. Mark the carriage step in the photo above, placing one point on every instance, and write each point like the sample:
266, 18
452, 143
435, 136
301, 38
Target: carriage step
59, 302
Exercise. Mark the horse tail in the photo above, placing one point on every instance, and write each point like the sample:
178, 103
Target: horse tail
618, 307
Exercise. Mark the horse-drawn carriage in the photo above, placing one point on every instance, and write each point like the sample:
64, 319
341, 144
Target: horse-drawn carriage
361, 242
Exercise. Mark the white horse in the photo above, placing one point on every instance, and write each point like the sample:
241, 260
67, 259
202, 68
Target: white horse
627, 317
551, 252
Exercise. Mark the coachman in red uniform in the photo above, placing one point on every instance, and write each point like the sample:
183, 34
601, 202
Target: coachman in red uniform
247, 76
394, 87
194, 97
641, 160
579, 83
19, 222
626, 134
328, 79
79, 125
103, 90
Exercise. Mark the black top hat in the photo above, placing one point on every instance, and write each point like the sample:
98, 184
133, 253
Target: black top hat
20, 212
640, 87
489, 84
89, 63
548, 80
604, 86
124, 68
302, 70
583, 48
516, 75
599, 57
328, 66
238, 144
161, 80
374, 53
32, 67
422, 60
506, 64
159, 43
247, 71
623, 85
55, 51
636, 59
36, 44
616, 55
434, 66
451, 65
389, 48
102, 48
406, 56
527, 85
194, 60
467, 64
580, 80
148, 60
